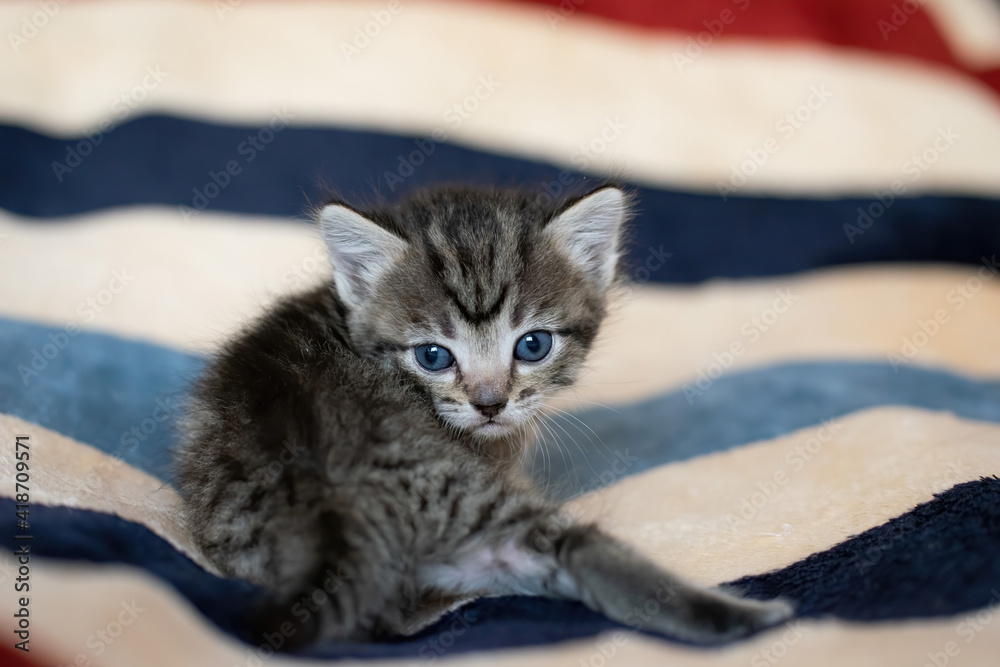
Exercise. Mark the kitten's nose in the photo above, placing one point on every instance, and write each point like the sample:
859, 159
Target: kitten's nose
490, 410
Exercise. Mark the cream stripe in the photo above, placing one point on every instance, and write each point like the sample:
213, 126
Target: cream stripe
768, 505
676, 337
558, 89
856, 472
72, 602
972, 29
713, 519
66, 473
188, 285
144, 273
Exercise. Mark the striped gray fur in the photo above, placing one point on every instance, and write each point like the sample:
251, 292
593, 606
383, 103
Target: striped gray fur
321, 454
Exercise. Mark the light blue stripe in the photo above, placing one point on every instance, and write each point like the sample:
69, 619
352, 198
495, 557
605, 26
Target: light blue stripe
118, 395
741, 408
111, 393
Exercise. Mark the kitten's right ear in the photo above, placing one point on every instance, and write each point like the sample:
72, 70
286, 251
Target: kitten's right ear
361, 252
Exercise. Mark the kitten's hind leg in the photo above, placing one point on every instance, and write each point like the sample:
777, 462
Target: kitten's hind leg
611, 578
581, 562
338, 571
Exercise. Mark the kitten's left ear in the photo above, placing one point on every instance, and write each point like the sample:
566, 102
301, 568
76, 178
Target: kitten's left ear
361, 252
588, 232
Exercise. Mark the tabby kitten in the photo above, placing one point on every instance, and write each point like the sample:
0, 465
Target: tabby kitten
363, 438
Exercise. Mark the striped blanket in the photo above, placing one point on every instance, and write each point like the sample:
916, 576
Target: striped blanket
797, 395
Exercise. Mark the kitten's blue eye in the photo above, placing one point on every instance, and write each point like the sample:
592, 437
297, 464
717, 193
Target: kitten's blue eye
533, 346
433, 357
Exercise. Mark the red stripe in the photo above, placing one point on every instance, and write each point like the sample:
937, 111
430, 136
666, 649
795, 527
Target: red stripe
14, 658
875, 25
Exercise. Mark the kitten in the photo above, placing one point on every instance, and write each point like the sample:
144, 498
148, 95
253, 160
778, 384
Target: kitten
363, 438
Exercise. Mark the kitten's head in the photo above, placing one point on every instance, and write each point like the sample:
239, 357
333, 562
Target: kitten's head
488, 300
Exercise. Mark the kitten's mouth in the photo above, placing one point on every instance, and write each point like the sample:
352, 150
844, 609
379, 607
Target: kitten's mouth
492, 424
492, 427
495, 426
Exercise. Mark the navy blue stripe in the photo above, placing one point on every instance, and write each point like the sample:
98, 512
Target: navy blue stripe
937, 560
84, 535
164, 160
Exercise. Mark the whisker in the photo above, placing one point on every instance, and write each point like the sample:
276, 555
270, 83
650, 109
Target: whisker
603, 444
559, 444
553, 394
548, 483
546, 471
580, 400
526, 443
571, 472
597, 384
557, 441
583, 452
